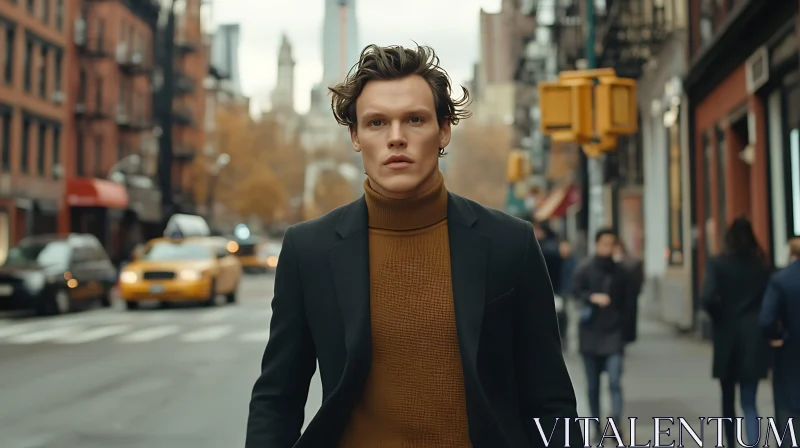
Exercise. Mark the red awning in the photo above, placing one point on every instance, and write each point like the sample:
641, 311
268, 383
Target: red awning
89, 192
558, 202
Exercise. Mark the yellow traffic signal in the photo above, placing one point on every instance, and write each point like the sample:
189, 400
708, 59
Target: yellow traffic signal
615, 106
517, 166
606, 143
566, 109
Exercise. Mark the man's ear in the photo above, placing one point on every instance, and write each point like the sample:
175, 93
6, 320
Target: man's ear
445, 131
354, 139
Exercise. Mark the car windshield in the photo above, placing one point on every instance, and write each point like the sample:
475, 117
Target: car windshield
43, 254
174, 252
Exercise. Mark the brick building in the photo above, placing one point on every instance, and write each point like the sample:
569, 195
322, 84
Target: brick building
192, 47
110, 67
34, 116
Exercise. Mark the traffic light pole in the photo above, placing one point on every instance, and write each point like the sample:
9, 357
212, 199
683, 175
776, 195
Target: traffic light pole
594, 202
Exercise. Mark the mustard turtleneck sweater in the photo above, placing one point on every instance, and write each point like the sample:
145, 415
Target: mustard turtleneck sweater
414, 395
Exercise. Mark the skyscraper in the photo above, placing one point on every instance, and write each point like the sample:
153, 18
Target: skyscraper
334, 66
283, 95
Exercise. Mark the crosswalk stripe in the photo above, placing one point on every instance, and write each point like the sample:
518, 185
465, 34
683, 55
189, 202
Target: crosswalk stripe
93, 334
150, 334
43, 335
208, 334
15, 329
256, 336
216, 315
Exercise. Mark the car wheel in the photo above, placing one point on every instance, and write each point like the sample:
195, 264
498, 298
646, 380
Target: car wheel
231, 296
131, 305
61, 302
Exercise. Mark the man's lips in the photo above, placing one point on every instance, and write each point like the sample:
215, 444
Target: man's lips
397, 160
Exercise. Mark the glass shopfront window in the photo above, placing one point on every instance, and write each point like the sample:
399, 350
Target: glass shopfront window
675, 190
792, 150
710, 228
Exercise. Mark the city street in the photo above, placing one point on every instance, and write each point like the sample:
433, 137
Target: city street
181, 378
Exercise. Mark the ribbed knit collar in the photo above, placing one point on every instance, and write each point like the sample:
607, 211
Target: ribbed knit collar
407, 214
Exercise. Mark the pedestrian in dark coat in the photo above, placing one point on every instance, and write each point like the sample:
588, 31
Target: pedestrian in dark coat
732, 294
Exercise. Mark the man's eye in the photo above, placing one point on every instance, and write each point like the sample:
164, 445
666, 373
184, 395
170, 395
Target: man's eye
416, 120
375, 122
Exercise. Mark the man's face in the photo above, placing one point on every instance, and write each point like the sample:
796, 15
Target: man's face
605, 246
398, 136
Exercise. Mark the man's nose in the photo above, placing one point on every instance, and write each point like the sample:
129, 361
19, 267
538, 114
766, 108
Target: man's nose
397, 138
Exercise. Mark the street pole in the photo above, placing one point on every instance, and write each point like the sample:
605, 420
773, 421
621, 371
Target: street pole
163, 103
595, 215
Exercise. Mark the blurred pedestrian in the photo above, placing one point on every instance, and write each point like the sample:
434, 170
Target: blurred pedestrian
780, 323
634, 270
568, 263
601, 285
431, 317
732, 293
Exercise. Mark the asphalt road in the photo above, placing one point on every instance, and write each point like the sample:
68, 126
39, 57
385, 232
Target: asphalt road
109, 378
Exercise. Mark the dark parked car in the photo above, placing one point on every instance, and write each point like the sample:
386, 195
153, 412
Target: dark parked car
54, 274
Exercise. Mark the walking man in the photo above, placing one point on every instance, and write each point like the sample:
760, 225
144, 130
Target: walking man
780, 322
601, 287
431, 317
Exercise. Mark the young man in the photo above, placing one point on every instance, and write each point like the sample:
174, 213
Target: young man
601, 285
780, 322
431, 317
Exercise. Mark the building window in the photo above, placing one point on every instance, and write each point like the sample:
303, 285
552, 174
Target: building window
58, 68
5, 159
46, 11
80, 153
722, 216
24, 153
8, 63
101, 26
710, 229
41, 146
82, 87
708, 12
56, 151
98, 96
675, 193
60, 15
28, 64
43, 72
98, 156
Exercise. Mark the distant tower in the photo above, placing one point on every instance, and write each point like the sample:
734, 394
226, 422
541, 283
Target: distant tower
283, 94
339, 13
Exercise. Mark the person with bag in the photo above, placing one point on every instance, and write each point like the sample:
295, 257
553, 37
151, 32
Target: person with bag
732, 293
601, 288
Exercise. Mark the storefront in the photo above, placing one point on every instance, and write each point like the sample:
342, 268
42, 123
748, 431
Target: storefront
665, 199
735, 85
97, 206
781, 88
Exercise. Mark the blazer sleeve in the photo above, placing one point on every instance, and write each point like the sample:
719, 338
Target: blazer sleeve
277, 405
544, 386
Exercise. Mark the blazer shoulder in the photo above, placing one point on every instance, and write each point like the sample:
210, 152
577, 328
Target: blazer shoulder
317, 230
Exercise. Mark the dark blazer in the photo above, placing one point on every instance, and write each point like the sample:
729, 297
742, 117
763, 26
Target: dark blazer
732, 293
780, 319
505, 318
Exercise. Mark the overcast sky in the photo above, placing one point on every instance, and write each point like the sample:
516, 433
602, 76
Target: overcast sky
449, 26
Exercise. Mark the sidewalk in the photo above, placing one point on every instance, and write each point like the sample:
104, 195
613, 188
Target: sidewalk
666, 375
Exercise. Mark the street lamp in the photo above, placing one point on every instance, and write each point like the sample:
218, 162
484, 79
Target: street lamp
222, 161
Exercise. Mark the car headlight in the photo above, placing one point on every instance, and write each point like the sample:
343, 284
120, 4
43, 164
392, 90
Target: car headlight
128, 277
189, 274
559, 304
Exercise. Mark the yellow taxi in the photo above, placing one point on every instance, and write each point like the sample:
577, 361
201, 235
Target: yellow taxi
181, 270
256, 254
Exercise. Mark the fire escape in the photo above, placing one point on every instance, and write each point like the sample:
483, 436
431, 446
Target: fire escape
92, 106
183, 117
630, 35
133, 118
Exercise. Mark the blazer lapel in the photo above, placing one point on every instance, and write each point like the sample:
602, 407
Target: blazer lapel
349, 264
469, 251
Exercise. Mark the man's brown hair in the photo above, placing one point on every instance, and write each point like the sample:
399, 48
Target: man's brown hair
396, 62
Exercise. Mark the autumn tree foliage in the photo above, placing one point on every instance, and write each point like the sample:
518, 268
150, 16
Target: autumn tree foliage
333, 190
478, 156
265, 171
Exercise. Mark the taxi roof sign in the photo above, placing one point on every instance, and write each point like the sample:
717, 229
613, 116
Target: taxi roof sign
182, 225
